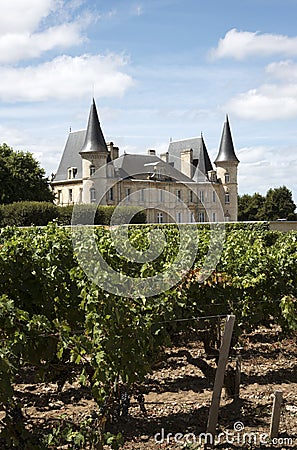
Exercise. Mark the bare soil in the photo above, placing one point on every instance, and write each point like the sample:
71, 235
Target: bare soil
178, 396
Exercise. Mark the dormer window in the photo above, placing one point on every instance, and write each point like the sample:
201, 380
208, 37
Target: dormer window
212, 176
72, 171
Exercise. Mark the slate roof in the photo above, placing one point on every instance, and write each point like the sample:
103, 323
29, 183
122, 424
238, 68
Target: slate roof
71, 156
141, 166
201, 158
129, 165
94, 140
226, 150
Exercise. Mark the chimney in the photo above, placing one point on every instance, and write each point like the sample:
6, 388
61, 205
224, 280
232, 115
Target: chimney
186, 163
114, 151
165, 157
151, 152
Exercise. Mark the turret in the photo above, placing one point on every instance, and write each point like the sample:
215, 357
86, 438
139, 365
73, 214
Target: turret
94, 140
226, 163
94, 154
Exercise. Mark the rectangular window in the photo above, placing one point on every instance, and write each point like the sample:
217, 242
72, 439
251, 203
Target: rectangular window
227, 198
214, 217
141, 195
192, 217
178, 194
128, 193
159, 217
201, 196
214, 196
179, 217
191, 196
80, 195
201, 216
161, 195
111, 194
227, 177
70, 196
92, 170
92, 195
59, 199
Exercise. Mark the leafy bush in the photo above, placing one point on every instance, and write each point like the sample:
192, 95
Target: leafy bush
22, 214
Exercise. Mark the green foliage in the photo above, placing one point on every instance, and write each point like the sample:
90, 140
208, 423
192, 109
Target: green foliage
22, 214
277, 204
53, 318
89, 214
250, 207
21, 177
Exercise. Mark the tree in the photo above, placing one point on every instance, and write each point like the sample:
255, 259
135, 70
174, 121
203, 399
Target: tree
250, 207
21, 177
279, 204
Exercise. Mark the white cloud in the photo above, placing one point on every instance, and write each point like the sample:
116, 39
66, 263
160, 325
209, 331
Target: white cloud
15, 47
65, 77
19, 16
267, 102
27, 31
283, 70
262, 168
242, 44
11, 136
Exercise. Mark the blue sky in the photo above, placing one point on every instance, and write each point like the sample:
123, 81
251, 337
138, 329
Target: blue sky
158, 69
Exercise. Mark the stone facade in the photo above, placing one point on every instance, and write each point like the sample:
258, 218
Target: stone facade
179, 186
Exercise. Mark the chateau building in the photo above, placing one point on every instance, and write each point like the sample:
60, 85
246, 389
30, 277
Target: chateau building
180, 185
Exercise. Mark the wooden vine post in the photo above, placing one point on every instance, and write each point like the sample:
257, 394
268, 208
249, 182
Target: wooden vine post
237, 377
220, 374
276, 411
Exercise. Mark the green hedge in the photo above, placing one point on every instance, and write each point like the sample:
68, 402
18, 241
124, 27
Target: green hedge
23, 214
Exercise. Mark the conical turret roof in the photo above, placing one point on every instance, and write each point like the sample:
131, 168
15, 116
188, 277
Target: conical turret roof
94, 140
226, 150
204, 164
